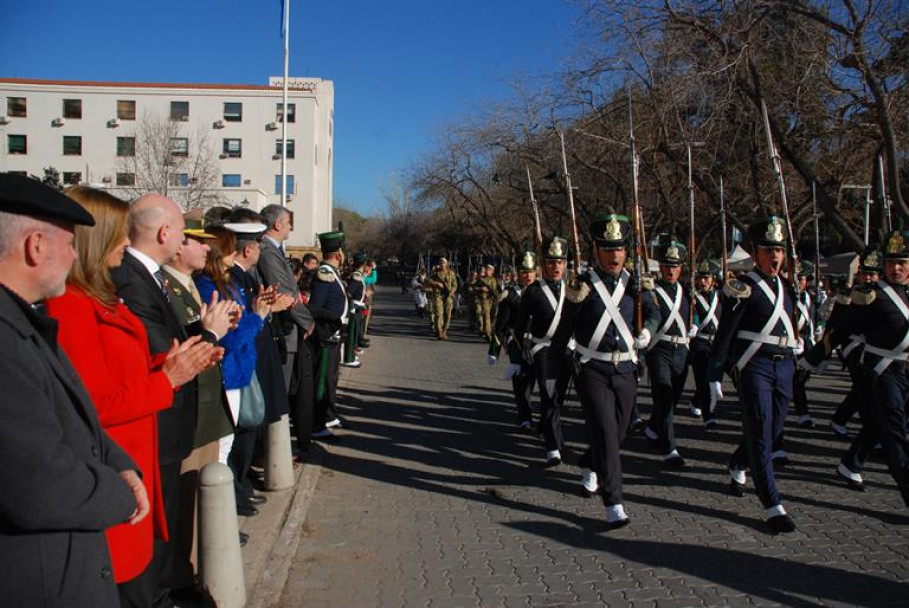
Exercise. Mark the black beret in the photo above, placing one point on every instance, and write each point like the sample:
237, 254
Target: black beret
21, 195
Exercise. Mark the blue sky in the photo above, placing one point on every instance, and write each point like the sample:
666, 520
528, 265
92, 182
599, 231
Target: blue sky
402, 68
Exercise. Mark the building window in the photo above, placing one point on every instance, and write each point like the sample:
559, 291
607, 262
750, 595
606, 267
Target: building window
72, 145
17, 144
231, 180
290, 184
233, 111
290, 148
126, 179
291, 112
179, 110
126, 146
178, 180
179, 146
126, 109
233, 148
72, 178
72, 108
16, 106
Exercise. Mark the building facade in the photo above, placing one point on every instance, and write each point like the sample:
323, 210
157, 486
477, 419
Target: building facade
200, 144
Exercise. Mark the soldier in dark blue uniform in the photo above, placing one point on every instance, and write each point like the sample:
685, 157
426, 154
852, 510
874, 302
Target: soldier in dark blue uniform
356, 292
329, 306
544, 315
504, 330
871, 265
755, 344
806, 328
667, 357
881, 312
606, 357
702, 333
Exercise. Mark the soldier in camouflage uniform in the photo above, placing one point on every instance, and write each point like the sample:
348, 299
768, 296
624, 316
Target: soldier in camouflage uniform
446, 285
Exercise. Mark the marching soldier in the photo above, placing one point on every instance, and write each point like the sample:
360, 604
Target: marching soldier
881, 312
806, 331
706, 322
356, 291
484, 291
429, 288
446, 284
542, 313
606, 357
755, 343
667, 357
470, 301
871, 265
519, 371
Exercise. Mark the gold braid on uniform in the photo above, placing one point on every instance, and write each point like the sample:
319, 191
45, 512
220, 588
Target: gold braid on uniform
734, 288
326, 275
576, 291
862, 296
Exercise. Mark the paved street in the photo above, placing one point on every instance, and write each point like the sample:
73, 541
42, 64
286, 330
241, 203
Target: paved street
435, 499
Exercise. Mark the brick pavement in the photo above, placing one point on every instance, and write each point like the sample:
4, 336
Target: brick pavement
434, 499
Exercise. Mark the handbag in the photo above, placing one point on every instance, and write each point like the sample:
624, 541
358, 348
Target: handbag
252, 405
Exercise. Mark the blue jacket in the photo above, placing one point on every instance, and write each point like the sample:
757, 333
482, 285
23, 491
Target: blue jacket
239, 344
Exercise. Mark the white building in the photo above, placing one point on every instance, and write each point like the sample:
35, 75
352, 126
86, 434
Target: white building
88, 131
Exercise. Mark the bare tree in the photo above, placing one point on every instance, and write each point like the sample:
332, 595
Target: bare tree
171, 160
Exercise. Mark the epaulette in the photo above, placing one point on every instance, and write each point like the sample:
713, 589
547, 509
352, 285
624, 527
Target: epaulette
842, 298
648, 283
576, 291
736, 289
862, 296
357, 275
326, 274
503, 295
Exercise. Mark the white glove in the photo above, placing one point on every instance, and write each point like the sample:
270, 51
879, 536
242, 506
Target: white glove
799, 347
716, 393
490, 359
642, 340
692, 331
512, 370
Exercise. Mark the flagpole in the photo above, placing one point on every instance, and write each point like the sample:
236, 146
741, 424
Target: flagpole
284, 111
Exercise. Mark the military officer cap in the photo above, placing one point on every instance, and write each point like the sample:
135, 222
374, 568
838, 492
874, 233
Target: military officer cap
360, 258
507, 270
871, 260
768, 232
21, 195
331, 241
490, 267
895, 245
708, 268
194, 221
250, 230
805, 269
610, 231
556, 248
527, 262
671, 253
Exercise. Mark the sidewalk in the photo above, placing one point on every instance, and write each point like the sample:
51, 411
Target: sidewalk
434, 498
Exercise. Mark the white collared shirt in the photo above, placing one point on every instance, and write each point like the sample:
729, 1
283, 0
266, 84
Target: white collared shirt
151, 265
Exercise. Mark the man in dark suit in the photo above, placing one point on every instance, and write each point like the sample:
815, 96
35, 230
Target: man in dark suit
156, 233
62, 480
297, 322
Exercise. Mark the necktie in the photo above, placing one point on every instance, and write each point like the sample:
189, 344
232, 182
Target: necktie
195, 293
159, 276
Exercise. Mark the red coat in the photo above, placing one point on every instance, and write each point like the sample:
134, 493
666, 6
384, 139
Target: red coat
109, 349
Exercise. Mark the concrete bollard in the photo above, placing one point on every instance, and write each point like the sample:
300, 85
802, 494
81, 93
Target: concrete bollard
220, 561
279, 463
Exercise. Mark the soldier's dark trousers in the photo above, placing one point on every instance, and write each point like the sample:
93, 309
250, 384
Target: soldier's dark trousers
552, 374
329, 362
884, 417
800, 391
699, 356
607, 400
667, 366
851, 403
765, 391
522, 384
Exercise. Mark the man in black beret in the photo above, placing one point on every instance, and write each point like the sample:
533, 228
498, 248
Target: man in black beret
63, 481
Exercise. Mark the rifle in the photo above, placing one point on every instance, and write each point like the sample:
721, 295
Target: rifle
784, 203
691, 242
885, 200
817, 255
574, 221
724, 259
640, 252
538, 233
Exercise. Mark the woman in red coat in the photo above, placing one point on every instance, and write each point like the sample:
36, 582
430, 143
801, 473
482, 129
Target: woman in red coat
108, 346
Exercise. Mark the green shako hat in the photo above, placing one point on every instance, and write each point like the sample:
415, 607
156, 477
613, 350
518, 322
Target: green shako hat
555, 248
331, 241
896, 245
805, 269
360, 258
708, 268
527, 261
768, 232
672, 253
610, 231
871, 260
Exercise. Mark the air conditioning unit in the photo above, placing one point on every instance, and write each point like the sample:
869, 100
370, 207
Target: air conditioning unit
247, 182
4, 120
276, 157
113, 123
218, 124
272, 126
58, 122
107, 179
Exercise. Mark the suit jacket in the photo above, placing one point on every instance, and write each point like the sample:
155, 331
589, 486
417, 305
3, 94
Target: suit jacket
59, 473
213, 419
110, 351
143, 296
274, 270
